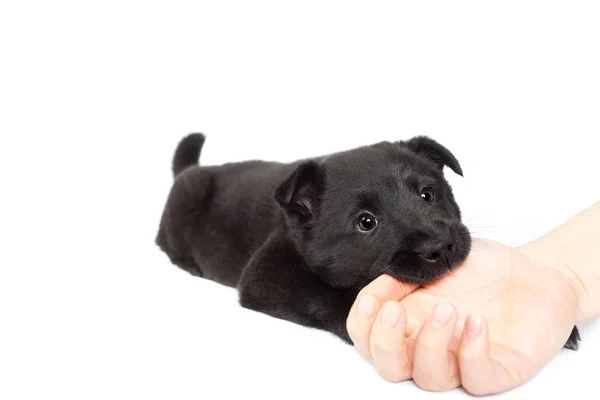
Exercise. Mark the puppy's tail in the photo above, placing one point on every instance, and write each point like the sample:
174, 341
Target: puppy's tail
187, 152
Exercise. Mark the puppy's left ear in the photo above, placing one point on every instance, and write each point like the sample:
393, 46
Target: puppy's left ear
435, 152
299, 193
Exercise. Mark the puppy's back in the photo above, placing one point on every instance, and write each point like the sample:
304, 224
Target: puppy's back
216, 217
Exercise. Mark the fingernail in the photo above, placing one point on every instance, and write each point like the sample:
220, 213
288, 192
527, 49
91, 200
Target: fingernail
366, 306
442, 314
390, 316
474, 325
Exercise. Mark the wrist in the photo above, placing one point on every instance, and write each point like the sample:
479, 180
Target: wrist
576, 273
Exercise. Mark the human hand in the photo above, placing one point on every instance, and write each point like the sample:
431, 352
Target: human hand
490, 325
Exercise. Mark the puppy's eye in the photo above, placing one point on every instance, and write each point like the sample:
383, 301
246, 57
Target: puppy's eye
366, 222
427, 194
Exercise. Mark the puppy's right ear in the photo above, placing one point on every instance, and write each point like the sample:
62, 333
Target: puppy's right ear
299, 193
435, 152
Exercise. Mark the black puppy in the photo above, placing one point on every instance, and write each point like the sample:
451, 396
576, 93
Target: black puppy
300, 240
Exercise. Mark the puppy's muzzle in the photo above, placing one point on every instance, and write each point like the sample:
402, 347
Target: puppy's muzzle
436, 249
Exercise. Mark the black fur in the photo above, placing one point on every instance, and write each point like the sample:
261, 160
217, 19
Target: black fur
287, 234
187, 152
573, 341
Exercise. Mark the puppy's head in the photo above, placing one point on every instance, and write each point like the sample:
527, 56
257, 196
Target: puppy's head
384, 208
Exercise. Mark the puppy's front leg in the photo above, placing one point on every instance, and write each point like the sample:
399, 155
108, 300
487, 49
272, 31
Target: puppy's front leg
277, 282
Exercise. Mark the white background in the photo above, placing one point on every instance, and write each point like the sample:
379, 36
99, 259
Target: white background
95, 96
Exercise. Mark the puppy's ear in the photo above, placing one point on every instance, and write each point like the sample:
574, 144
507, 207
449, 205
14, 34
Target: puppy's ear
435, 152
299, 193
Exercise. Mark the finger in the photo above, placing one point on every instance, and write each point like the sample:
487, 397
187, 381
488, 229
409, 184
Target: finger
434, 367
388, 343
366, 306
479, 374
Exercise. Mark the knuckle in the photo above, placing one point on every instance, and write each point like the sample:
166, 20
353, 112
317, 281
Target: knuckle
475, 389
430, 344
395, 374
359, 337
434, 371
380, 343
357, 330
428, 340
421, 374
379, 346
364, 352
425, 378
432, 382
468, 357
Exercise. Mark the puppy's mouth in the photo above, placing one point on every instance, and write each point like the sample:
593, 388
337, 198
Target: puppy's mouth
448, 265
423, 272
411, 267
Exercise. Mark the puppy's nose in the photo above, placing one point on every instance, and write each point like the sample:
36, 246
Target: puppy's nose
435, 250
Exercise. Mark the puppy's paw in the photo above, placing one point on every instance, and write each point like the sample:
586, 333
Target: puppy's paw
573, 341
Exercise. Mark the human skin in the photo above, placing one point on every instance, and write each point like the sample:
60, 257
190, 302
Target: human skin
493, 323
